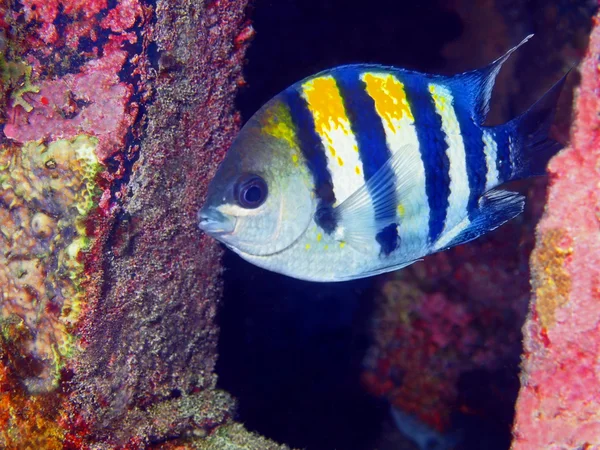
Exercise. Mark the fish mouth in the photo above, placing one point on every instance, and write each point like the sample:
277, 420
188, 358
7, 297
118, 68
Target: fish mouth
214, 222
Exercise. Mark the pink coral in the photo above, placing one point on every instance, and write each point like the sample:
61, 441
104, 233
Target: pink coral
93, 101
40, 10
455, 312
559, 405
123, 16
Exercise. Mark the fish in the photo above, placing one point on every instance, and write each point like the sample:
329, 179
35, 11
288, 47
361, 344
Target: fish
363, 169
424, 436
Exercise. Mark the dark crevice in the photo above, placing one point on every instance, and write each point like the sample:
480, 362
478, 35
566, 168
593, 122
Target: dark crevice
291, 353
61, 21
153, 55
133, 139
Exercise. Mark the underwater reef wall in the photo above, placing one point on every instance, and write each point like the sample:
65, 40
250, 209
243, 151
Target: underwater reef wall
115, 115
558, 404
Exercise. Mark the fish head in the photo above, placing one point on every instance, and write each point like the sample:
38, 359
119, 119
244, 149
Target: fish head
260, 201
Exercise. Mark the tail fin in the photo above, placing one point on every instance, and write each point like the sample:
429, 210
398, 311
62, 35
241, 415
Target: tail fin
534, 148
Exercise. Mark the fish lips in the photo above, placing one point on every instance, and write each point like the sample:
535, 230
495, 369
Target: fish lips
214, 222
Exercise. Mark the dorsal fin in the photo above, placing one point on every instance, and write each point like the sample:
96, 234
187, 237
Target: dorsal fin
478, 84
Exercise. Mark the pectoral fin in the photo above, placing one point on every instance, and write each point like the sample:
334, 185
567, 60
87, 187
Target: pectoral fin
374, 205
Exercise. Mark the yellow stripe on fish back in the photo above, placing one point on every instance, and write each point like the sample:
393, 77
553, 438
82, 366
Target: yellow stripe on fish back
392, 106
390, 99
333, 127
277, 122
394, 110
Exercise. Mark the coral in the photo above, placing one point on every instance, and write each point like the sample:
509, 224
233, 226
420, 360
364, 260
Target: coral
15, 80
93, 101
27, 421
558, 404
64, 23
47, 193
454, 313
234, 437
19, 74
118, 114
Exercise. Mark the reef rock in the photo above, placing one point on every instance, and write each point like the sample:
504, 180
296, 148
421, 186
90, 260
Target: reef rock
559, 404
114, 117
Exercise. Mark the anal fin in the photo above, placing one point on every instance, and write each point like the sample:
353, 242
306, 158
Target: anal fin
496, 207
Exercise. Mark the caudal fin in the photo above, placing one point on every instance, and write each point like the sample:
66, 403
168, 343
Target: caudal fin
534, 148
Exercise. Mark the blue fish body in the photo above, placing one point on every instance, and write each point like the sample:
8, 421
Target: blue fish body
397, 165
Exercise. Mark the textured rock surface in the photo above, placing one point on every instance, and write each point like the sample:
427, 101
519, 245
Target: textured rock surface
559, 405
115, 116
152, 368
46, 194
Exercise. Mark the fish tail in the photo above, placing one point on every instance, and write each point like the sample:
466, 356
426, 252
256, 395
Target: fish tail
533, 148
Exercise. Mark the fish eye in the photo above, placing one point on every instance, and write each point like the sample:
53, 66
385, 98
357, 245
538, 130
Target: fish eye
251, 191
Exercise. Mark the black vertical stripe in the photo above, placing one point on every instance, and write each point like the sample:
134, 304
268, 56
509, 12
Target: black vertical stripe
314, 153
433, 147
476, 166
373, 150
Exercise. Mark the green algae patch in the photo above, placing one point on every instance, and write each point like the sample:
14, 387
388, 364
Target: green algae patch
235, 437
46, 194
15, 81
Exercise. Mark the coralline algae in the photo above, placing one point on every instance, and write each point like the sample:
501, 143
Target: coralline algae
46, 194
93, 101
558, 405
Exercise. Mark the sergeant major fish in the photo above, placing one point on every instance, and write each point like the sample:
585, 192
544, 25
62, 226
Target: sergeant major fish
365, 169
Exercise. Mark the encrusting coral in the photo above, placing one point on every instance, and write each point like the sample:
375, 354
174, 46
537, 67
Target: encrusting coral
559, 405
46, 194
115, 116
